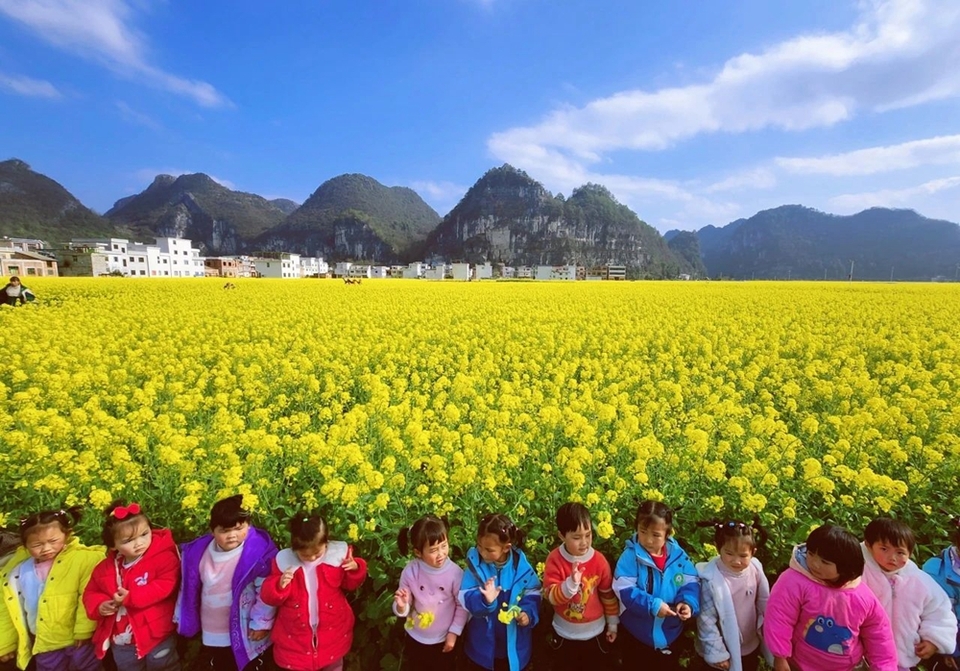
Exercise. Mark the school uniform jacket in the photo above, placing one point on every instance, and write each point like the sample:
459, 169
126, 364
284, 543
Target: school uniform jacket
294, 644
61, 619
642, 588
152, 583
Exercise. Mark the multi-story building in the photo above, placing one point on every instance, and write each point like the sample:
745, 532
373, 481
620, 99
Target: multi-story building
484, 272
220, 266
279, 265
342, 269
82, 261
460, 271
23, 244
167, 257
26, 264
313, 266
413, 271
567, 272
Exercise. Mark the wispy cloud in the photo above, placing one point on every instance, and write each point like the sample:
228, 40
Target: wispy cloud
442, 196
898, 53
26, 86
854, 202
940, 150
104, 31
131, 115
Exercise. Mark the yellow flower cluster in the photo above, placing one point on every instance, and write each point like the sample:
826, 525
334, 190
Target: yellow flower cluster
793, 402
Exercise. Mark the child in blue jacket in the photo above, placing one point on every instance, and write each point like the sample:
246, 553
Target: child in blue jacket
658, 588
501, 591
945, 569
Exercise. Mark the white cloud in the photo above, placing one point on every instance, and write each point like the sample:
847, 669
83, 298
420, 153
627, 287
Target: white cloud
131, 115
103, 31
855, 202
442, 196
756, 178
26, 86
932, 151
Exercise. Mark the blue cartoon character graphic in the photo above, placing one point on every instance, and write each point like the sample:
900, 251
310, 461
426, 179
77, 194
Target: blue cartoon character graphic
825, 634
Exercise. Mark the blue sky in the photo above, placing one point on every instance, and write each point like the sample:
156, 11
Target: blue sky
690, 112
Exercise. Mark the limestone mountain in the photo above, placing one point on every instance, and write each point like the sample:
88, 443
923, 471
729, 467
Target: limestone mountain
285, 204
796, 242
509, 217
34, 206
354, 217
218, 219
686, 246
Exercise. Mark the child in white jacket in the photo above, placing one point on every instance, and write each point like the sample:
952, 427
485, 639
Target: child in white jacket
733, 593
919, 610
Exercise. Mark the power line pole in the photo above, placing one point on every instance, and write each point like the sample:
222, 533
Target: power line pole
850, 276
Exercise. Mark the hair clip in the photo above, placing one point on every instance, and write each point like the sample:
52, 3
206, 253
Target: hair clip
24, 521
122, 513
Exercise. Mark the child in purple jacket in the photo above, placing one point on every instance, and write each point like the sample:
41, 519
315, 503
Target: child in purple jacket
220, 590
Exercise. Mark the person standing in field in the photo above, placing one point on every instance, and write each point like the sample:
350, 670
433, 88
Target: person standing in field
220, 590
313, 630
427, 597
501, 591
578, 583
133, 592
42, 619
734, 593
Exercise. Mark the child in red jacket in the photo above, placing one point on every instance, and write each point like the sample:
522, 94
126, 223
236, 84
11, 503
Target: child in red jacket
314, 626
133, 592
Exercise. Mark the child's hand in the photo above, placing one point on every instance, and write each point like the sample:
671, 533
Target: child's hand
349, 563
665, 611
402, 598
120, 595
684, 612
287, 577
925, 649
949, 662
576, 574
449, 642
781, 664
490, 591
7, 657
107, 608
723, 666
522, 619
258, 634
611, 635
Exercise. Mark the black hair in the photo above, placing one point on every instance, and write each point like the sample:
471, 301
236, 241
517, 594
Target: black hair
426, 531
67, 518
891, 531
571, 517
955, 531
113, 522
839, 546
305, 529
228, 513
651, 512
724, 531
500, 526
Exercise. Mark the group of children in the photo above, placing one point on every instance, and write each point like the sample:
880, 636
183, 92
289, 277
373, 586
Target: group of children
840, 604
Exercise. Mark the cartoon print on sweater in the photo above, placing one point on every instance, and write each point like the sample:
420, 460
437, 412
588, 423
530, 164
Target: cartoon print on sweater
825, 634
575, 609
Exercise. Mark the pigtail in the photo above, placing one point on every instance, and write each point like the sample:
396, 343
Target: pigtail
761, 537
403, 540
66, 518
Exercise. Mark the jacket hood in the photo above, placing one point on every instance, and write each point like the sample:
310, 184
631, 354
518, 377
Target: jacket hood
798, 562
334, 556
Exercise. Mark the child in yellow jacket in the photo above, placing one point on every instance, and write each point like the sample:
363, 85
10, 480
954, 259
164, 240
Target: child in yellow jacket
42, 616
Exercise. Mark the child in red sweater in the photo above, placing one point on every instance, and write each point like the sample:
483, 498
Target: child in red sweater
578, 584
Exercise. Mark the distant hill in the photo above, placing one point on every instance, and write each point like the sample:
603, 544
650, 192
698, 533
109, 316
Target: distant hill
285, 205
686, 246
34, 206
218, 219
796, 242
354, 217
509, 217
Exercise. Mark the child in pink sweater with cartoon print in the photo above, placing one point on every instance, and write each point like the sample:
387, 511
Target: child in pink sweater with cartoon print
821, 616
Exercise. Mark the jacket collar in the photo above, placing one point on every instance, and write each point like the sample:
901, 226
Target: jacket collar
334, 556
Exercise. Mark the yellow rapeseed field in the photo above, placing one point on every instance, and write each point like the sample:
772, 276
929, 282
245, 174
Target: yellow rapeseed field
796, 402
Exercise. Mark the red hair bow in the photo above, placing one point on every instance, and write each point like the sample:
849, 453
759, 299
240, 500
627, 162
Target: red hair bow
121, 512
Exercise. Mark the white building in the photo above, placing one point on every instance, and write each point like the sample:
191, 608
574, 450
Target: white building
435, 273
484, 272
413, 271
460, 271
284, 266
566, 273
508, 272
168, 257
525, 272
342, 269
313, 266
360, 272
379, 272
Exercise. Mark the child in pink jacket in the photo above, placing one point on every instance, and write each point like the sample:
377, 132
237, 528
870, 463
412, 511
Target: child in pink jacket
821, 616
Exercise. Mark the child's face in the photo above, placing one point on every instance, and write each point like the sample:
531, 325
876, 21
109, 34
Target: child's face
577, 542
822, 569
46, 542
15, 282
313, 551
736, 554
890, 557
492, 550
653, 537
231, 538
132, 540
434, 555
